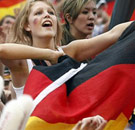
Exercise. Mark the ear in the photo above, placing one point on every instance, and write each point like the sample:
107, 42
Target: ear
69, 18
27, 27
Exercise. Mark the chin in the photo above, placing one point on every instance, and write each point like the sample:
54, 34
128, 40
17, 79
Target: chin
89, 33
49, 34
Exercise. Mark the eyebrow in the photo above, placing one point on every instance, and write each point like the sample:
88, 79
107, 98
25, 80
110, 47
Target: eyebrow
90, 8
39, 8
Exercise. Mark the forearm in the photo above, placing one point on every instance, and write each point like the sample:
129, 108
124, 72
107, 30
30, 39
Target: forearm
107, 39
84, 49
17, 51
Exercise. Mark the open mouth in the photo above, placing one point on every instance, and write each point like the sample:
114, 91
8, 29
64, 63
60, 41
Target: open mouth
47, 24
90, 25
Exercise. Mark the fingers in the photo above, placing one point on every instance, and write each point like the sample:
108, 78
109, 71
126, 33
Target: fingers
91, 123
61, 53
54, 57
77, 126
102, 125
88, 123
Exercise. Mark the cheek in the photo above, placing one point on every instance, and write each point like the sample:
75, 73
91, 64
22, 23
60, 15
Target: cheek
55, 26
80, 22
81, 19
36, 21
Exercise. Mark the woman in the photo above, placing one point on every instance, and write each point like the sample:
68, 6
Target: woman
5, 25
80, 17
37, 25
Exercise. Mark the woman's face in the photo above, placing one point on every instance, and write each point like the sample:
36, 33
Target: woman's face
8, 22
42, 21
84, 23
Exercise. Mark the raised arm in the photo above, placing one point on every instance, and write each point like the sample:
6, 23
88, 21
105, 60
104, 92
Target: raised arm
84, 49
17, 51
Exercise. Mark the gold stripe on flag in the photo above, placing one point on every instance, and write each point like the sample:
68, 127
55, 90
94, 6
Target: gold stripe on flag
35, 123
10, 10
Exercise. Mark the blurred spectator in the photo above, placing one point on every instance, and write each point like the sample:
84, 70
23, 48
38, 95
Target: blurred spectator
6, 24
103, 19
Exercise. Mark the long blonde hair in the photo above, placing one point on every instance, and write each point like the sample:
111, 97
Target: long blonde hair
20, 35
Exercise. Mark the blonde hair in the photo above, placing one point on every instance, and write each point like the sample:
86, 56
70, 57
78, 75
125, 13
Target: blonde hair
20, 35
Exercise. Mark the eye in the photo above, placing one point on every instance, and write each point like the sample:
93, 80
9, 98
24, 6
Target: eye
85, 12
51, 12
8, 22
38, 13
94, 12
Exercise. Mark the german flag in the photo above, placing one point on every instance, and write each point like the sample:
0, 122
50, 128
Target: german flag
106, 87
7, 6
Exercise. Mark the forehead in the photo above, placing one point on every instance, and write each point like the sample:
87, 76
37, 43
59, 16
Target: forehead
40, 4
90, 5
8, 19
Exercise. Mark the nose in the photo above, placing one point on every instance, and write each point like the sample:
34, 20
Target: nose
91, 16
46, 15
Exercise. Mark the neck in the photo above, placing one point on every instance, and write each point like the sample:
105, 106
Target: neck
44, 43
77, 34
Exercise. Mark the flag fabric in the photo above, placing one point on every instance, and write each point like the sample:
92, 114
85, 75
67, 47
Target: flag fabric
7, 6
123, 11
110, 8
105, 87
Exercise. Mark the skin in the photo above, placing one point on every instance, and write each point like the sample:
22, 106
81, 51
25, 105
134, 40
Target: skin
79, 26
91, 123
8, 22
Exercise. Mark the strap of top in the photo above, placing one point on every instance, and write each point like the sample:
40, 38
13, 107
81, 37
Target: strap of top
60, 49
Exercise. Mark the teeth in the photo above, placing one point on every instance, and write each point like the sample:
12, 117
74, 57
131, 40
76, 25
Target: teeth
47, 23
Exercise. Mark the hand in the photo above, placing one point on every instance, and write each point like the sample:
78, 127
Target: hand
2, 35
55, 56
16, 11
91, 123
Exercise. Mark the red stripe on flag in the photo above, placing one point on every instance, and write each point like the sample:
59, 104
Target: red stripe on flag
36, 83
8, 3
133, 16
